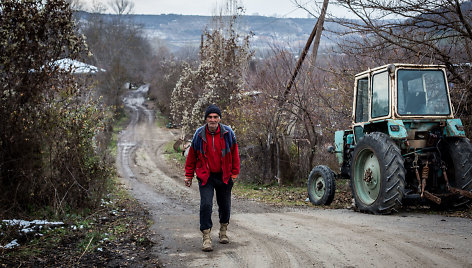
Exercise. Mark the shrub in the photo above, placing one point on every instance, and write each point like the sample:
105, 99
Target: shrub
48, 125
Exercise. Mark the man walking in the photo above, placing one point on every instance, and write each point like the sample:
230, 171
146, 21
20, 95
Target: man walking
214, 157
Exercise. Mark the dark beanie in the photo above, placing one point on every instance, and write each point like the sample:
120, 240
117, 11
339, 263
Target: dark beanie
212, 109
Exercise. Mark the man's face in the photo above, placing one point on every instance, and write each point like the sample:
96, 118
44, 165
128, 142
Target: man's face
213, 120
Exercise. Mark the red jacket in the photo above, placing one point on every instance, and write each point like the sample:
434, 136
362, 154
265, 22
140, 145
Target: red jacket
197, 159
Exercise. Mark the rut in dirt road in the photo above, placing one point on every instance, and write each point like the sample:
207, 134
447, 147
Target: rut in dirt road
263, 236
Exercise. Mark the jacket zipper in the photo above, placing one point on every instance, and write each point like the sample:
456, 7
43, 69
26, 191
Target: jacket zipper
214, 149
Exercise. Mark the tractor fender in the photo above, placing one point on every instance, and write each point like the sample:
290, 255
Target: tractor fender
454, 128
396, 129
342, 139
339, 145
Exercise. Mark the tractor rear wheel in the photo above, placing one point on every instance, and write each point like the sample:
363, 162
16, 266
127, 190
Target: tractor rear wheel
458, 160
321, 185
377, 175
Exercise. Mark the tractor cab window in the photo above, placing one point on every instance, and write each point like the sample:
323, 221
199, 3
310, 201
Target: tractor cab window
422, 92
362, 100
380, 96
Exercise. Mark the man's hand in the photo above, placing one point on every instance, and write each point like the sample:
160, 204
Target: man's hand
188, 181
234, 177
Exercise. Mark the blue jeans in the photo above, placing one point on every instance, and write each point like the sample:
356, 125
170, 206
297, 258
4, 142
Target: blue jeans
223, 199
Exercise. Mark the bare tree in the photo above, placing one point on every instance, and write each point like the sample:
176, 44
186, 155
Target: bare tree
98, 7
417, 31
294, 108
121, 7
119, 47
284, 145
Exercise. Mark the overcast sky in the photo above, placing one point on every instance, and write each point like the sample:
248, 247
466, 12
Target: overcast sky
279, 8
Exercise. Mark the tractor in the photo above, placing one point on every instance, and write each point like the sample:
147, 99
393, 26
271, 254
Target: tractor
404, 144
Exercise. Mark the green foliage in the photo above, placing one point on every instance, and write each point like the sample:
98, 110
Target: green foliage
50, 127
120, 122
161, 120
173, 155
71, 162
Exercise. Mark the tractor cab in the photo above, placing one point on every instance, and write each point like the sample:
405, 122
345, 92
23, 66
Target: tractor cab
404, 142
396, 93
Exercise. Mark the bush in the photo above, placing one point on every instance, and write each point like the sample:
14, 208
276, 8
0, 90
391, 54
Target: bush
49, 151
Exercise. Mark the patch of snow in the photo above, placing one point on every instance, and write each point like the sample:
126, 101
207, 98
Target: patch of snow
42, 222
26, 230
76, 67
31, 226
25, 224
12, 244
20, 223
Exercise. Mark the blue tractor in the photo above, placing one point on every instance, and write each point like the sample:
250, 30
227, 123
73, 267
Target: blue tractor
404, 143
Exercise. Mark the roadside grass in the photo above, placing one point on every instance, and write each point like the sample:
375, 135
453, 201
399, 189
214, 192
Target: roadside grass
161, 120
271, 194
172, 155
288, 195
120, 123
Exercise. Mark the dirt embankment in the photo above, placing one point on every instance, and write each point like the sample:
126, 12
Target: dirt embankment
263, 236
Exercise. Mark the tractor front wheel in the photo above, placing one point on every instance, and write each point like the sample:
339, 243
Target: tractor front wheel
321, 185
377, 175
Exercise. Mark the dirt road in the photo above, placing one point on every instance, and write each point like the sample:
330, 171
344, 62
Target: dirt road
263, 236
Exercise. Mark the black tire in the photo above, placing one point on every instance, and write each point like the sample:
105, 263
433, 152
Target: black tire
321, 185
458, 160
377, 175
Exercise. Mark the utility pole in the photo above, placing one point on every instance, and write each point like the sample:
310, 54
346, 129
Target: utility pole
319, 30
315, 34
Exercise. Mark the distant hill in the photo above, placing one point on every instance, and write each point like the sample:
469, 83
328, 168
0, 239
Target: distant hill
179, 31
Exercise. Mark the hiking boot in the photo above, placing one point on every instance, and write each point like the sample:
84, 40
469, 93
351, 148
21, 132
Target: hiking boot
223, 237
207, 240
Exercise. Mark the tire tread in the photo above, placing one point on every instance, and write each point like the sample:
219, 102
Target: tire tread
393, 181
329, 179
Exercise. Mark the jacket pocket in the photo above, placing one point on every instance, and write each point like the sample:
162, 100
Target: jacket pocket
201, 170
